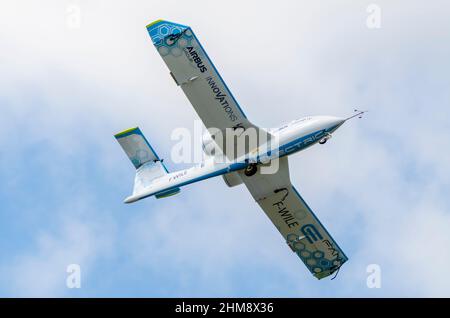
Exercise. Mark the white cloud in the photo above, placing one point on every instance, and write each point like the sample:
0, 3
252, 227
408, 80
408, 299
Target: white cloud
41, 271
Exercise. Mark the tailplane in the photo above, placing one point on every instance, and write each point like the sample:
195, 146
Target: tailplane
149, 166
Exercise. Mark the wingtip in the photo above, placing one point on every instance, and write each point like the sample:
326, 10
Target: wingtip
153, 23
126, 132
160, 29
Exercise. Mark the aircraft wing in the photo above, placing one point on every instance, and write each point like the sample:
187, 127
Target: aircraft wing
194, 72
298, 225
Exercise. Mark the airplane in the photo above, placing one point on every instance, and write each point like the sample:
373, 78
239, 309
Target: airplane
192, 70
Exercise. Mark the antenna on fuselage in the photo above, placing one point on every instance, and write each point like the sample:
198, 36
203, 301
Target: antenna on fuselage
358, 114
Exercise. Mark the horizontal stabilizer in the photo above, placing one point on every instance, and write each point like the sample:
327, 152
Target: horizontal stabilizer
167, 193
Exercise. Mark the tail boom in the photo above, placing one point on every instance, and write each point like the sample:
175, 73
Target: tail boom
170, 184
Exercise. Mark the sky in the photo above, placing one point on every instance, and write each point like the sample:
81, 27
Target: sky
75, 72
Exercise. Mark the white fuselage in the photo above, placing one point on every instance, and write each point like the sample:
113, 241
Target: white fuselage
292, 137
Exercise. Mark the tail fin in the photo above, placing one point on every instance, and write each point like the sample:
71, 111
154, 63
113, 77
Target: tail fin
147, 163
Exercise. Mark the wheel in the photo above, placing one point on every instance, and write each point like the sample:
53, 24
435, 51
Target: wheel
251, 170
322, 141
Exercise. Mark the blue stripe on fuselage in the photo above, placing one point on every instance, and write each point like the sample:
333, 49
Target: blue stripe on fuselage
287, 149
231, 168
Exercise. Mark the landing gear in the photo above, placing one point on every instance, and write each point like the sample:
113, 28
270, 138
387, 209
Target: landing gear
251, 170
324, 139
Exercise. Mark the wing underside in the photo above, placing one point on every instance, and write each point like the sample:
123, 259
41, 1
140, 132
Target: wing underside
193, 70
298, 225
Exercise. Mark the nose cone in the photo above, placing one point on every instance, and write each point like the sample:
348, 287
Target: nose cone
333, 123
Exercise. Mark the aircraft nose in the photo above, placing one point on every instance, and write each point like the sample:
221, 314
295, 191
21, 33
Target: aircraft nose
335, 123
